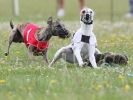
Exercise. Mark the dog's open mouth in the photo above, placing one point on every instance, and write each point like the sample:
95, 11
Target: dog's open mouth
67, 35
87, 21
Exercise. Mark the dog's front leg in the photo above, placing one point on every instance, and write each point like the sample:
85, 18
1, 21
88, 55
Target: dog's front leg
78, 56
91, 55
77, 49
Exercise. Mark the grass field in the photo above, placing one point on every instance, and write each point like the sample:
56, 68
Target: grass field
25, 79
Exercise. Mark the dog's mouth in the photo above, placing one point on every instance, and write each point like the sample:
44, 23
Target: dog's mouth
87, 19
64, 34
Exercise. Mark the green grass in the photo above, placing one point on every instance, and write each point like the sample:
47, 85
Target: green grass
25, 79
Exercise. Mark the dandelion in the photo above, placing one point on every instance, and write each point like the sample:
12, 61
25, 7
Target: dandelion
98, 87
121, 77
2, 81
126, 88
53, 81
17, 52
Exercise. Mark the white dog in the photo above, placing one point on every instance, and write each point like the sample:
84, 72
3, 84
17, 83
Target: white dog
83, 42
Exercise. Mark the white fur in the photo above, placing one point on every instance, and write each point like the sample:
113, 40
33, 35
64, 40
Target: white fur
77, 45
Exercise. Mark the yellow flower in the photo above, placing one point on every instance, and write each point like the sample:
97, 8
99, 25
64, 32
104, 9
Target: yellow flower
121, 77
2, 81
17, 52
98, 87
53, 81
127, 88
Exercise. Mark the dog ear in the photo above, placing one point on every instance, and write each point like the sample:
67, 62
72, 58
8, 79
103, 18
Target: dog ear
50, 21
126, 57
93, 13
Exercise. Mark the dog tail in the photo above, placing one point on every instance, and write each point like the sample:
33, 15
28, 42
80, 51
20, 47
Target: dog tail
11, 24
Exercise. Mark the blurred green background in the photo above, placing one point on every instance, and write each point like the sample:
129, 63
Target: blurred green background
42, 9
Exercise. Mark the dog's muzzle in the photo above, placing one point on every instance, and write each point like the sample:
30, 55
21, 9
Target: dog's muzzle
87, 19
63, 33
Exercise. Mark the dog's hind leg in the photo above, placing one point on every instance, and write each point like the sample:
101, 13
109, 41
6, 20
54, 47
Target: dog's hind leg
59, 54
97, 51
45, 57
11, 37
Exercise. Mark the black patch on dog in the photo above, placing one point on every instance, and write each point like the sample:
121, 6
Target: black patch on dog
85, 38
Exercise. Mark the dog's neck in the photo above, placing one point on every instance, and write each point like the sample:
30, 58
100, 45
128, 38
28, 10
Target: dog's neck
45, 34
87, 29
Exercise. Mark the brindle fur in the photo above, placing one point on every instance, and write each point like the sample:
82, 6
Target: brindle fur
110, 58
116, 58
54, 28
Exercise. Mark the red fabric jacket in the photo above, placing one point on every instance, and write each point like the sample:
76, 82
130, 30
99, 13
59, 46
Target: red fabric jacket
30, 39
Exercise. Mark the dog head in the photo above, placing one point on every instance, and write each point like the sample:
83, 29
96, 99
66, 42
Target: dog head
86, 16
116, 58
58, 28
121, 59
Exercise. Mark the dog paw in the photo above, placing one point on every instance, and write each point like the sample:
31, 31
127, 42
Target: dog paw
83, 65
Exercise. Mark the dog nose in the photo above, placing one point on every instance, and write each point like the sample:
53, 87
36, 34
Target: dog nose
87, 16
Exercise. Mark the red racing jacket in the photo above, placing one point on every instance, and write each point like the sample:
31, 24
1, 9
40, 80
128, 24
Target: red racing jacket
30, 38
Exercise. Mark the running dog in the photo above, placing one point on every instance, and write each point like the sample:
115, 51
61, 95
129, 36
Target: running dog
83, 42
36, 38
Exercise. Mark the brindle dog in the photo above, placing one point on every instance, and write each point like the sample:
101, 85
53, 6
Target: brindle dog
120, 59
110, 58
54, 28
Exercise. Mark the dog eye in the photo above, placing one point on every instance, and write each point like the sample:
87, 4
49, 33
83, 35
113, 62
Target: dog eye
83, 11
90, 11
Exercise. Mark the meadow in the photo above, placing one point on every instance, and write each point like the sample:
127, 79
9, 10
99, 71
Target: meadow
24, 79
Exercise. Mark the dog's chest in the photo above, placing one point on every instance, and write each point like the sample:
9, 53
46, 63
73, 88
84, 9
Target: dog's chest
85, 39
81, 36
